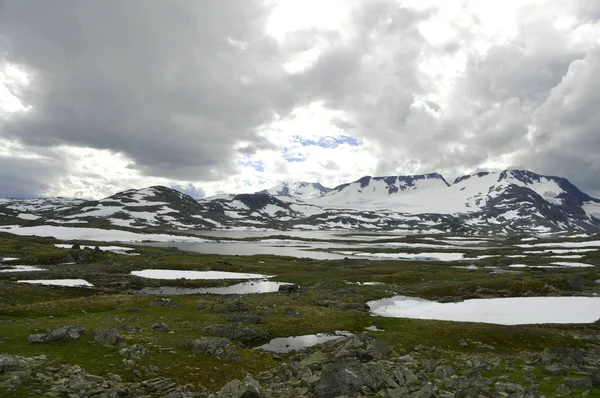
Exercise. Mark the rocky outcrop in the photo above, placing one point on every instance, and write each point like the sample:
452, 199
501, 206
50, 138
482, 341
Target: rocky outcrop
108, 337
218, 347
59, 333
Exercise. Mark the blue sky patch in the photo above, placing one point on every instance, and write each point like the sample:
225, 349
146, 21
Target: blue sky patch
257, 165
328, 141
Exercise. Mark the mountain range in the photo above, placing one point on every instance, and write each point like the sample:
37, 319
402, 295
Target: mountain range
511, 201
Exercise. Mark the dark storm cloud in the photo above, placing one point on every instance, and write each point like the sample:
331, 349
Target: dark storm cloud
27, 177
172, 84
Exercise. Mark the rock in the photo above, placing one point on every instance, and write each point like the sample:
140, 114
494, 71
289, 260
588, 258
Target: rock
160, 327
509, 388
315, 360
566, 356
553, 370
136, 351
9, 363
348, 378
428, 391
108, 337
164, 302
326, 303
237, 332
247, 388
563, 390
363, 347
218, 347
292, 288
59, 333
130, 329
578, 383
290, 311
444, 372
595, 377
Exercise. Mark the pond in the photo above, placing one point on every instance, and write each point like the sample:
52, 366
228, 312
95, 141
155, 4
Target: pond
503, 311
283, 345
251, 287
172, 274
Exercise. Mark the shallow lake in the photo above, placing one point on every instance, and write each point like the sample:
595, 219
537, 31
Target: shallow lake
503, 311
200, 275
251, 287
288, 344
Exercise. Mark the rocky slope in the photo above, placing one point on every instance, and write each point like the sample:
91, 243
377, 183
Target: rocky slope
512, 201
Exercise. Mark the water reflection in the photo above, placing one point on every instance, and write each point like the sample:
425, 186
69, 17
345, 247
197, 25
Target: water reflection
240, 288
283, 345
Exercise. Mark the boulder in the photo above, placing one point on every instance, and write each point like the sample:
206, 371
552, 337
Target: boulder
348, 378
553, 370
363, 347
108, 337
9, 363
290, 311
160, 327
292, 288
218, 347
565, 356
578, 383
237, 332
59, 333
247, 388
136, 351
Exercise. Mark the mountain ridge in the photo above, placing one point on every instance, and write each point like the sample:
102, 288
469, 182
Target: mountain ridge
511, 201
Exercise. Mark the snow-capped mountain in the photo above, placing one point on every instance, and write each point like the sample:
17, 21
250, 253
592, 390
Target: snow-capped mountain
512, 201
298, 190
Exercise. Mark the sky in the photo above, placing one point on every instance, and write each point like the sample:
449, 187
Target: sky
235, 96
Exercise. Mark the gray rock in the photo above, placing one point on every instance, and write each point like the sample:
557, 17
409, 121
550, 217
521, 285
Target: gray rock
363, 347
130, 329
348, 378
218, 347
444, 371
566, 356
108, 337
577, 283
237, 332
293, 288
428, 391
578, 383
160, 327
9, 363
315, 360
595, 377
59, 333
136, 351
290, 311
236, 306
553, 370
360, 307
509, 388
247, 388
563, 390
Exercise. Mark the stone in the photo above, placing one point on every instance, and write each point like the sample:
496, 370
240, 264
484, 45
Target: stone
108, 337
136, 351
9, 363
59, 333
290, 311
130, 329
217, 347
509, 388
578, 383
247, 388
563, 390
363, 347
348, 378
244, 317
444, 372
292, 288
566, 356
160, 327
237, 332
360, 307
553, 370
577, 283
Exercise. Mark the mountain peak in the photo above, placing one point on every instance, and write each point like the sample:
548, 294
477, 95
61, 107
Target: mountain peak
299, 189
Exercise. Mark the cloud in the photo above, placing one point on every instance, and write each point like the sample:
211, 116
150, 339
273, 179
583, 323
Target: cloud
185, 97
